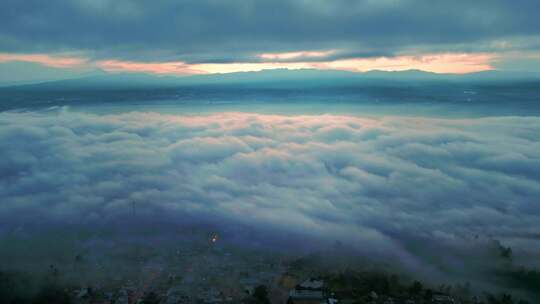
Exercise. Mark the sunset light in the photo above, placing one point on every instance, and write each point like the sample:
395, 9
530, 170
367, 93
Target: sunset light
438, 63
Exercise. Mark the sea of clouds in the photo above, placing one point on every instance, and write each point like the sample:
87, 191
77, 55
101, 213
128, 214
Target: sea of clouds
389, 186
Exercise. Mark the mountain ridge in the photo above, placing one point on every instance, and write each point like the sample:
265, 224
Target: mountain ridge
271, 77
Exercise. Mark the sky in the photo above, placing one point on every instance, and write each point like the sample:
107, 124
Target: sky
61, 39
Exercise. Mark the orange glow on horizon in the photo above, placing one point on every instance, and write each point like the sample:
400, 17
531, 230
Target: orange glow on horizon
458, 63
437, 63
223, 68
292, 55
44, 59
176, 67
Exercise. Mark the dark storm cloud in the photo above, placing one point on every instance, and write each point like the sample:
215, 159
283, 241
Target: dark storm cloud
224, 31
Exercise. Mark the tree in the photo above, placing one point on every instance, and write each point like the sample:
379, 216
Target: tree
261, 294
52, 294
416, 288
502, 299
506, 252
151, 298
428, 294
506, 299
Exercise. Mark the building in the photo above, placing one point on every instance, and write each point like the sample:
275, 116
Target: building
311, 291
443, 298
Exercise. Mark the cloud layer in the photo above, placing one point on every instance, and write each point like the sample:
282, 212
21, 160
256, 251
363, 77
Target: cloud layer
399, 187
389, 174
236, 31
207, 36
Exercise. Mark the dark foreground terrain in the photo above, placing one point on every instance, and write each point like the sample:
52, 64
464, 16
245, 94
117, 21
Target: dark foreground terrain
224, 275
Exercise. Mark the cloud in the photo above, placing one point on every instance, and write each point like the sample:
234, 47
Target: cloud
420, 196
295, 55
185, 37
210, 31
381, 184
44, 59
147, 67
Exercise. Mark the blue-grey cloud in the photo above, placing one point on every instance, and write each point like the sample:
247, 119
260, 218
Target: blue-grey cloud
379, 185
236, 30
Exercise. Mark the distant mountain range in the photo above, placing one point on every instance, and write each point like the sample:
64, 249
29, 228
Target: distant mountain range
277, 78
515, 92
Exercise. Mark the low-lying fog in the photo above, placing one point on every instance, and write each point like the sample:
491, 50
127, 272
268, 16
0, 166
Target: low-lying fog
424, 195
